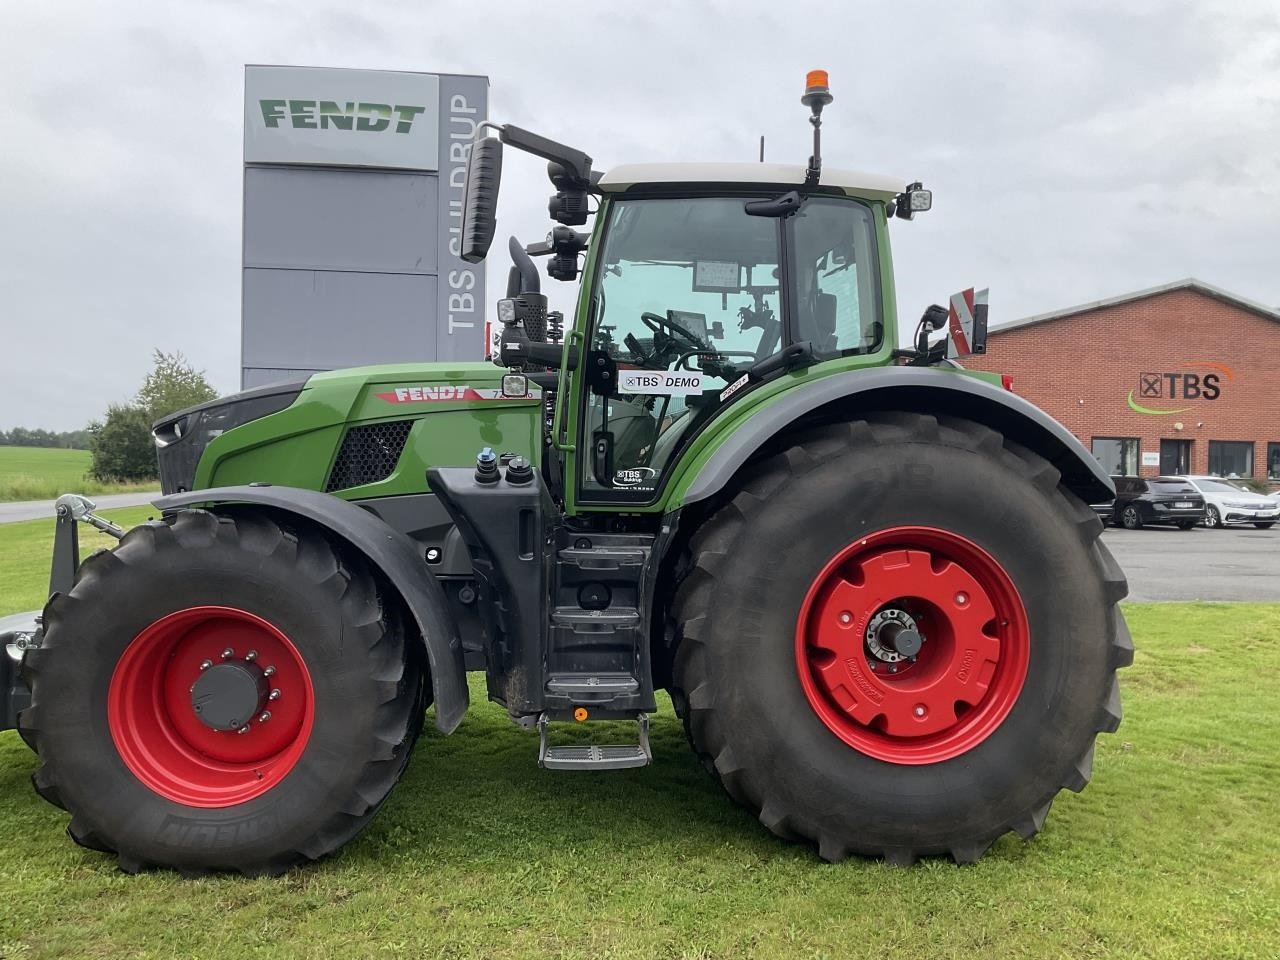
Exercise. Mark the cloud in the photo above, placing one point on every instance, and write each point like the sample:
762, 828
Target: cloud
1076, 150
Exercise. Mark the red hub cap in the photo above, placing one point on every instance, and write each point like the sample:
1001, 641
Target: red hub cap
912, 645
157, 697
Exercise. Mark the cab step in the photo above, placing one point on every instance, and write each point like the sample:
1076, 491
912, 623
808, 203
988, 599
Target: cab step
590, 756
596, 684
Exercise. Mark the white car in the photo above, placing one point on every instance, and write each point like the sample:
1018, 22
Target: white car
1227, 503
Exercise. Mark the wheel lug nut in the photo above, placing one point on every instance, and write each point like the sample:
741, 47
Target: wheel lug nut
274, 695
251, 655
228, 653
244, 729
962, 599
206, 664
846, 617
270, 671
920, 710
264, 716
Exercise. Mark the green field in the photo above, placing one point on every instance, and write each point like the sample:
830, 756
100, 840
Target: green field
42, 473
1173, 851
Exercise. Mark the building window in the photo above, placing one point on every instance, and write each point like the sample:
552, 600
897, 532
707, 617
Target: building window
1273, 461
1118, 455
1230, 458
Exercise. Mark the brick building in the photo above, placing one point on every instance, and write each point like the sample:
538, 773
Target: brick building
1183, 378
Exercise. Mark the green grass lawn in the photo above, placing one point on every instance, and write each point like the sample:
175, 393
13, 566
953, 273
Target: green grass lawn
1173, 851
42, 473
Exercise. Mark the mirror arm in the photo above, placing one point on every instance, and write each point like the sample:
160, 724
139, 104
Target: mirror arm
577, 163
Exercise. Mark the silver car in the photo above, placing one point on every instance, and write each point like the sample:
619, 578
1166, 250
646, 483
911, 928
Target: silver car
1226, 503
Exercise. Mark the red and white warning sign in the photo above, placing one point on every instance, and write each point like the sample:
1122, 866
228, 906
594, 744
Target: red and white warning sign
967, 323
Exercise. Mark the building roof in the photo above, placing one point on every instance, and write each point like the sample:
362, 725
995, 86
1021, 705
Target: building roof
852, 182
1190, 283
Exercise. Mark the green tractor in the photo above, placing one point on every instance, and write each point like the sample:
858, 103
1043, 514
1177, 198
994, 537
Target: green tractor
869, 580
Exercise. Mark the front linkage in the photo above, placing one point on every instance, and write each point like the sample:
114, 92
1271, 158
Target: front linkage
21, 632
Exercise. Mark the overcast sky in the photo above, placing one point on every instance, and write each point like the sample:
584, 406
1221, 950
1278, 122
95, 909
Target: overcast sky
1076, 150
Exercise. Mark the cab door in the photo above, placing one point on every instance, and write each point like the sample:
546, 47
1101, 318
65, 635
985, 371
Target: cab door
686, 294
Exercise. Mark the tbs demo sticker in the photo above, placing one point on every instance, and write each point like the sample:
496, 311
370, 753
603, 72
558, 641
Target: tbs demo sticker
677, 384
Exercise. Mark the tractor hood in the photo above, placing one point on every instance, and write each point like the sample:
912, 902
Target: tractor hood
358, 432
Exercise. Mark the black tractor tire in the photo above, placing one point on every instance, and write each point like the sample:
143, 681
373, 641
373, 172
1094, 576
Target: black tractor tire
1187, 524
1212, 518
1131, 518
736, 675
1265, 525
364, 688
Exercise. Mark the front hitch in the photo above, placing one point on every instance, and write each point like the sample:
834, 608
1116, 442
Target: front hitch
73, 508
21, 632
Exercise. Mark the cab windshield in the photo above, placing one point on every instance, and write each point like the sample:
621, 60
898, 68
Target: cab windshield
689, 296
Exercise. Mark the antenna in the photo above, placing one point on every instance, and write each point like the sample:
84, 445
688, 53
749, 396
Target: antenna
762, 148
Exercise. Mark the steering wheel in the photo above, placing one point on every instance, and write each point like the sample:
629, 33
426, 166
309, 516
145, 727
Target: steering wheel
669, 328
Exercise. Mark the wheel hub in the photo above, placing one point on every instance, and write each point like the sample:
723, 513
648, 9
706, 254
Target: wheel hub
229, 695
912, 645
892, 636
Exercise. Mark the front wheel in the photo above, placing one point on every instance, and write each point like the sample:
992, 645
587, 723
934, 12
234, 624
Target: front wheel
221, 693
1265, 525
1186, 524
879, 657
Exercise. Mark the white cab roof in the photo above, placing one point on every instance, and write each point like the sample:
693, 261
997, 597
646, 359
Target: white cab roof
853, 182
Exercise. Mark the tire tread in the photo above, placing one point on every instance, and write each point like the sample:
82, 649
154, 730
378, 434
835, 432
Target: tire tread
710, 544
372, 621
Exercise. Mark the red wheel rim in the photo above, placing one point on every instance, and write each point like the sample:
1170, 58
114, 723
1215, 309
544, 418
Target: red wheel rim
970, 665
162, 739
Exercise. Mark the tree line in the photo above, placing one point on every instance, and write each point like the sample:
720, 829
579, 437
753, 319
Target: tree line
120, 443
65, 440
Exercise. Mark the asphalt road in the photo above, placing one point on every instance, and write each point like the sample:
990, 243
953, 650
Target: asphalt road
43, 509
1164, 563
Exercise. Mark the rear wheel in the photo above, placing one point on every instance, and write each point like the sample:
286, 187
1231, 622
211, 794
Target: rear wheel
221, 693
878, 656
1130, 518
1212, 518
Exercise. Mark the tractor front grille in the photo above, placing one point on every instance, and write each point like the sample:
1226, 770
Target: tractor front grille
369, 453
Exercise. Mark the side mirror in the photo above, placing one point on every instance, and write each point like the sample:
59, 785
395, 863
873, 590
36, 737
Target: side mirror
480, 198
967, 324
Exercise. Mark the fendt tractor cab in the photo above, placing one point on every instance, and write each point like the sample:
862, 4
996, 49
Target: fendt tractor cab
869, 580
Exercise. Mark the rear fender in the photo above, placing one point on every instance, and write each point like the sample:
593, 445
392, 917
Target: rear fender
916, 389
390, 551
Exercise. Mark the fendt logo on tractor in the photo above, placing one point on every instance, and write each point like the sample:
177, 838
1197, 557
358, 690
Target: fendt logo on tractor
349, 115
721, 478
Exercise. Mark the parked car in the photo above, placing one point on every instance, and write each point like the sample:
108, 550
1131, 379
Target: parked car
1226, 503
1153, 500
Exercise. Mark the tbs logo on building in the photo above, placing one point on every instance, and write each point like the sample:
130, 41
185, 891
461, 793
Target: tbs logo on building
1203, 383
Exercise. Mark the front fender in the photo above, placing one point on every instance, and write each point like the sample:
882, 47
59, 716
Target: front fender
917, 389
389, 551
